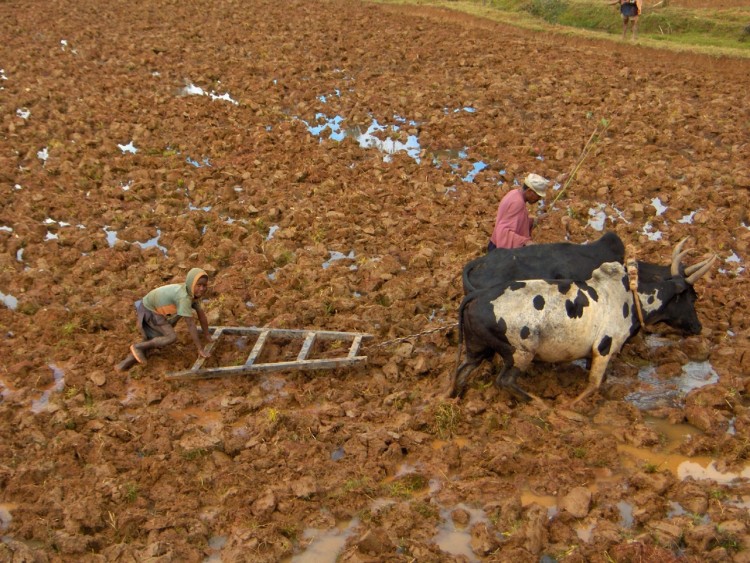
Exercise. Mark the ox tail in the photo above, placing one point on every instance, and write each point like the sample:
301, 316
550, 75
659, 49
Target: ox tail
468, 269
465, 301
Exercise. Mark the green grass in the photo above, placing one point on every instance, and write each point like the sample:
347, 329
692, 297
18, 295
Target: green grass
710, 31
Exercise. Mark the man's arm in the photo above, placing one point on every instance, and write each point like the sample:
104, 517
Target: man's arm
194, 335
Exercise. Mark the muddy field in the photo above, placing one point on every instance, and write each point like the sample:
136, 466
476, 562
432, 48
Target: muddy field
333, 165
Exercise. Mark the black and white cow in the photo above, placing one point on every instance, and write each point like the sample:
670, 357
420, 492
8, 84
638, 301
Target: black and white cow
564, 320
565, 260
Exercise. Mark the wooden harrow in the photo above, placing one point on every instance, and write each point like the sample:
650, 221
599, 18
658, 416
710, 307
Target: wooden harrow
265, 335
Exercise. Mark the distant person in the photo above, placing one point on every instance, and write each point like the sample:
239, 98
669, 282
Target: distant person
513, 223
161, 309
629, 10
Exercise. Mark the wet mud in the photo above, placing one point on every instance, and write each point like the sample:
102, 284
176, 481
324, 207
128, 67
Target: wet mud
333, 165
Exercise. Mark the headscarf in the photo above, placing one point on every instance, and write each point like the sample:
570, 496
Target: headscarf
192, 278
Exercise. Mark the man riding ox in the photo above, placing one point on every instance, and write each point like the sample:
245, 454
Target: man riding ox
561, 320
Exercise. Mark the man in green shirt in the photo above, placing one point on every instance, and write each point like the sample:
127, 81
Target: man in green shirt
161, 309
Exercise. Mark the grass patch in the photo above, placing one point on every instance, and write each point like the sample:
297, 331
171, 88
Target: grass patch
709, 31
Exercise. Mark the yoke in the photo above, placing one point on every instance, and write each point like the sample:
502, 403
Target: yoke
302, 362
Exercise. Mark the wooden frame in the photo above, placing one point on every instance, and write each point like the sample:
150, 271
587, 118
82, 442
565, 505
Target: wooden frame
308, 337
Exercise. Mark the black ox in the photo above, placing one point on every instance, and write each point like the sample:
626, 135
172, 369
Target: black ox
566, 260
561, 319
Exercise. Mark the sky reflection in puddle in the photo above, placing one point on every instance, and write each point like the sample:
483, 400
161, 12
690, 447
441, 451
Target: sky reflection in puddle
656, 392
336, 256
9, 301
42, 402
326, 545
454, 539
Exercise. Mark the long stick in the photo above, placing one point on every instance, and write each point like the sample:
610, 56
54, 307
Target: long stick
584, 153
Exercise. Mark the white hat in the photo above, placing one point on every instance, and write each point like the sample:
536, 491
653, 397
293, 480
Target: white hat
537, 183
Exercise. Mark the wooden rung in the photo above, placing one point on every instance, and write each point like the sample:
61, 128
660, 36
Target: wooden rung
214, 339
356, 343
309, 340
255, 352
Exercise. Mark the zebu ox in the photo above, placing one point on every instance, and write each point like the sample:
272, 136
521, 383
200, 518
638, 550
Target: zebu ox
564, 320
565, 260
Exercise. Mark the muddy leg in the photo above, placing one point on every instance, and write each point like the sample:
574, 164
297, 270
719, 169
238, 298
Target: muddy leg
126, 364
596, 375
462, 373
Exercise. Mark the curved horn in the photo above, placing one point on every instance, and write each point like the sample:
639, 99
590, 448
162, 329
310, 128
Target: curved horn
695, 267
677, 254
703, 267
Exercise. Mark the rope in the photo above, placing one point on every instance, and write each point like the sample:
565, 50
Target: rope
423, 333
632, 269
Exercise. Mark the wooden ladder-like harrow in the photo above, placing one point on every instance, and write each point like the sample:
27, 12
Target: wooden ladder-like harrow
266, 335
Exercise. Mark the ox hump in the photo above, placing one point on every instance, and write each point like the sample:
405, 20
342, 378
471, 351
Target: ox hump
608, 271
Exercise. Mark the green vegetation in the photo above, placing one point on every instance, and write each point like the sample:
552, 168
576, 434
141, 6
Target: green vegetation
709, 30
447, 418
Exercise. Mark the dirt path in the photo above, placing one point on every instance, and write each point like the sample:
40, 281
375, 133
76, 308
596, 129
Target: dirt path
333, 165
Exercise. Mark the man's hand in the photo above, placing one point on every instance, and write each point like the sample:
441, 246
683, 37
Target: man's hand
203, 354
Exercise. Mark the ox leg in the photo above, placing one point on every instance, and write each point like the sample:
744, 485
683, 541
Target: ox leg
596, 375
507, 381
462, 374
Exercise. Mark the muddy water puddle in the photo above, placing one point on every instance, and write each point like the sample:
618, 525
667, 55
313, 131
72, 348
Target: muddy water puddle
42, 403
324, 545
455, 538
657, 392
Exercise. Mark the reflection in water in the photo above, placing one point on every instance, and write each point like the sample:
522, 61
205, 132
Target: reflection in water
457, 540
656, 392
336, 256
326, 545
9, 301
548, 501
42, 402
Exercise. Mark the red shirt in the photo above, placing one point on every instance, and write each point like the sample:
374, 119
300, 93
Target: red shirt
513, 223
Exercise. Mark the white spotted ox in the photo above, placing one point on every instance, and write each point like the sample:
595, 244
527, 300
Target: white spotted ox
564, 320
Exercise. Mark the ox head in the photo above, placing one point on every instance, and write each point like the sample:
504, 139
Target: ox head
679, 311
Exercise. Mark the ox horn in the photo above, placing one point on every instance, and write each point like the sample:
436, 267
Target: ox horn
677, 255
695, 271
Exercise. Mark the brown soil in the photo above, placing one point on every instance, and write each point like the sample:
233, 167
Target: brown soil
134, 467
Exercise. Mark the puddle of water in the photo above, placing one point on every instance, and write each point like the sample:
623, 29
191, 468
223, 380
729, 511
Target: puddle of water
598, 217
215, 543
476, 169
6, 229
656, 392
548, 501
710, 471
647, 231
129, 148
338, 454
193, 90
42, 402
688, 219
457, 540
111, 236
152, 243
9, 301
626, 514
272, 231
326, 545
658, 205
204, 162
5, 516
43, 155
584, 532
335, 256
379, 504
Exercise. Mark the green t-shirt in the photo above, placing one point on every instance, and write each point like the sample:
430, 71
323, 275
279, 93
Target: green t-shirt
172, 299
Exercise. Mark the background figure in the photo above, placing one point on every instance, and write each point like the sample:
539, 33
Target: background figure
630, 10
513, 224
